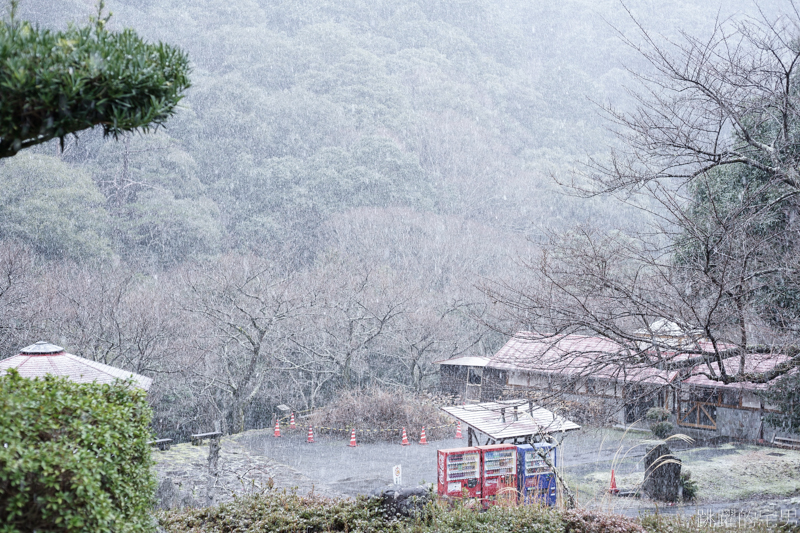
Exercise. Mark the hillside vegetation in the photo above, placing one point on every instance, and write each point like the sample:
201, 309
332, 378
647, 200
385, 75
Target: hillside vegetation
341, 179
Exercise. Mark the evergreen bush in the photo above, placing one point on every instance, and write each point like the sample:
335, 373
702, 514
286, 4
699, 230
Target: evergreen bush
662, 430
74, 457
657, 414
659, 425
59, 82
689, 486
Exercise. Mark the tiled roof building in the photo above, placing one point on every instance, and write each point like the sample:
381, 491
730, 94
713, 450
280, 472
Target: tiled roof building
601, 374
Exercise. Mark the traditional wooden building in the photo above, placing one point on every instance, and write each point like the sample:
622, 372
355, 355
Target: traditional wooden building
607, 375
462, 377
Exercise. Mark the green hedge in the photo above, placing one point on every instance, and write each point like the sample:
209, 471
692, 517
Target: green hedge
74, 457
281, 512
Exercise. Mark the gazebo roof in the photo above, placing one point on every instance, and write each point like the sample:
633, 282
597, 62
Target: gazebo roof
42, 358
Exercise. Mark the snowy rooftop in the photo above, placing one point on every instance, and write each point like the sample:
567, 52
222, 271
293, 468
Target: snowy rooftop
596, 357
42, 358
575, 356
467, 360
519, 420
754, 364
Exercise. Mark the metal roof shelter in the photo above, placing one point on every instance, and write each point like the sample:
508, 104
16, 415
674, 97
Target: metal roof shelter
513, 420
42, 358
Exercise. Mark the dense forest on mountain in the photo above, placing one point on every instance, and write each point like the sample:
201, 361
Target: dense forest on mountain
320, 214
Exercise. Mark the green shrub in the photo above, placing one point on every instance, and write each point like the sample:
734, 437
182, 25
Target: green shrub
74, 457
282, 512
585, 521
689, 486
497, 519
662, 430
657, 414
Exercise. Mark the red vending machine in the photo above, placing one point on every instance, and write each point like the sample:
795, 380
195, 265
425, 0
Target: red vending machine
499, 473
459, 470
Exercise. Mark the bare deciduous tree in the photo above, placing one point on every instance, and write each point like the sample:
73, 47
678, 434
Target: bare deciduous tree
710, 155
243, 301
357, 306
728, 99
114, 316
18, 309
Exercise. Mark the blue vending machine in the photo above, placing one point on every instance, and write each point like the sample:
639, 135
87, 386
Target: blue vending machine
536, 482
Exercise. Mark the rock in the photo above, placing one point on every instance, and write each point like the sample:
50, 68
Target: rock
167, 494
662, 474
170, 496
399, 501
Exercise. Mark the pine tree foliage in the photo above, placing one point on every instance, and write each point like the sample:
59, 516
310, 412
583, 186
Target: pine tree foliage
56, 83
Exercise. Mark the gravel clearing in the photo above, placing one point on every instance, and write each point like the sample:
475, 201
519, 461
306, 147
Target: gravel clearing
732, 478
349, 471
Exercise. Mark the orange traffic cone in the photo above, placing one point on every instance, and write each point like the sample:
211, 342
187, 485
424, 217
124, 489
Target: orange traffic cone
310, 434
422, 439
291, 422
277, 428
458, 430
405, 438
613, 489
353, 439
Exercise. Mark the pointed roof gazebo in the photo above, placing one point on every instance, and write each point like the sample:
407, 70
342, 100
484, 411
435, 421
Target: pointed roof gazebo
42, 358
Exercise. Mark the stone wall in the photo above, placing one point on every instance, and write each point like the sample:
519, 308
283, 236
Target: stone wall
738, 423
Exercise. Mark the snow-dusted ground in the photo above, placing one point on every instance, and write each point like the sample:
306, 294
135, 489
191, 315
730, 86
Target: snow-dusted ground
349, 471
735, 481
732, 478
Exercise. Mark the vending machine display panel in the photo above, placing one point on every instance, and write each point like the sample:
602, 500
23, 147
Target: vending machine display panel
499, 469
535, 478
459, 472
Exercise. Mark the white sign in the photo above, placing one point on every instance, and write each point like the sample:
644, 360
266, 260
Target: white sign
398, 475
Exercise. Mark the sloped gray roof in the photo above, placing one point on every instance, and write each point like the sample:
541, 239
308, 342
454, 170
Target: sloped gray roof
575, 356
42, 358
